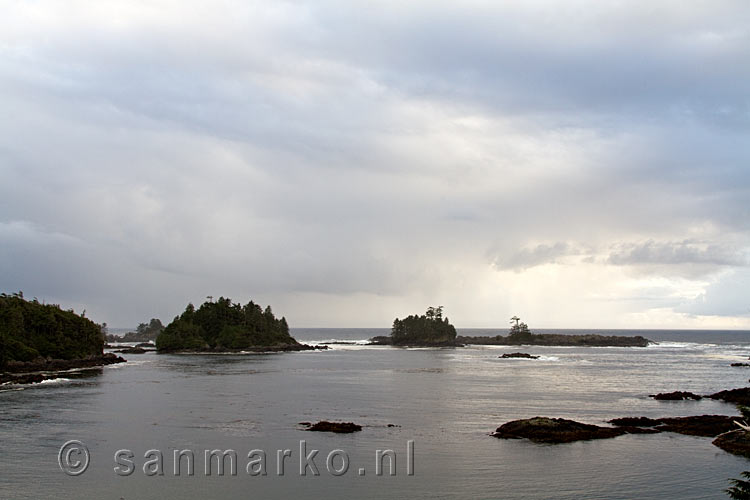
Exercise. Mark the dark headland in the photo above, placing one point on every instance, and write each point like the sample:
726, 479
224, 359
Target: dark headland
37, 340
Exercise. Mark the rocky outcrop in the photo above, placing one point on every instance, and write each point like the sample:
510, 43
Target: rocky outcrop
259, 349
676, 396
554, 430
736, 442
338, 427
380, 340
52, 365
560, 430
736, 396
549, 339
518, 355
40, 370
635, 422
699, 425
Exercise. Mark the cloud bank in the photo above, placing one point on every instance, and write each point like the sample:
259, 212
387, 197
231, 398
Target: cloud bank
350, 162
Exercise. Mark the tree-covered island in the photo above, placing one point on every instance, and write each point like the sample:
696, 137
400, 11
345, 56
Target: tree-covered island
223, 326
429, 329
38, 337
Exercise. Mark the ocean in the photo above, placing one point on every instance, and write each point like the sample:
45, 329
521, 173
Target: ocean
431, 411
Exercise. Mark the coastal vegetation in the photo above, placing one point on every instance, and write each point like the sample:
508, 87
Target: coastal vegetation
428, 329
30, 330
225, 326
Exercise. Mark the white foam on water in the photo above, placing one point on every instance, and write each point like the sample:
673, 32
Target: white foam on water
52, 381
549, 358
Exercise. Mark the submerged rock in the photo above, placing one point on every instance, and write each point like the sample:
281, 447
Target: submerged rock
676, 396
554, 430
340, 427
518, 355
740, 364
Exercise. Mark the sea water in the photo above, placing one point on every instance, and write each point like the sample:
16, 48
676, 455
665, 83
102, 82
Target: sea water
429, 410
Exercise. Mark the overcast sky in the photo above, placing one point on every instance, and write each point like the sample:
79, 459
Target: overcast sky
579, 164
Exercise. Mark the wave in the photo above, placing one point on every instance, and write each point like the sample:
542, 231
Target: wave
549, 358
52, 381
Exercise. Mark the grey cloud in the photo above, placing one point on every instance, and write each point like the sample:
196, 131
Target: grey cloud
337, 148
727, 296
531, 257
676, 253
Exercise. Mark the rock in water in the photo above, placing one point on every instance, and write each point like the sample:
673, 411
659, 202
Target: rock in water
554, 430
697, 425
676, 396
736, 396
635, 422
340, 427
736, 442
518, 355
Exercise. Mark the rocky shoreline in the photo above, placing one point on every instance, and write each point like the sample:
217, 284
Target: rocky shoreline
38, 370
557, 340
728, 436
386, 340
259, 349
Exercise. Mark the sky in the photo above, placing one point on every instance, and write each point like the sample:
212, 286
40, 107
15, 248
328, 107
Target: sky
580, 164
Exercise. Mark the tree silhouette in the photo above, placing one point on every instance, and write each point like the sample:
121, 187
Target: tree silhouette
740, 488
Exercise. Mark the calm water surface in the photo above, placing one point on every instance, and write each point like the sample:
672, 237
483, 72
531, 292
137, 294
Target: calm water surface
446, 400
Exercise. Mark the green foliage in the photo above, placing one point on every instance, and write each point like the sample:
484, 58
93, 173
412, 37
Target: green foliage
29, 329
430, 328
740, 488
224, 325
745, 412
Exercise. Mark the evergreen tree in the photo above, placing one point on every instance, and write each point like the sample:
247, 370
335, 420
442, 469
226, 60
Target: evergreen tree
430, 328
224, 325
740, 489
